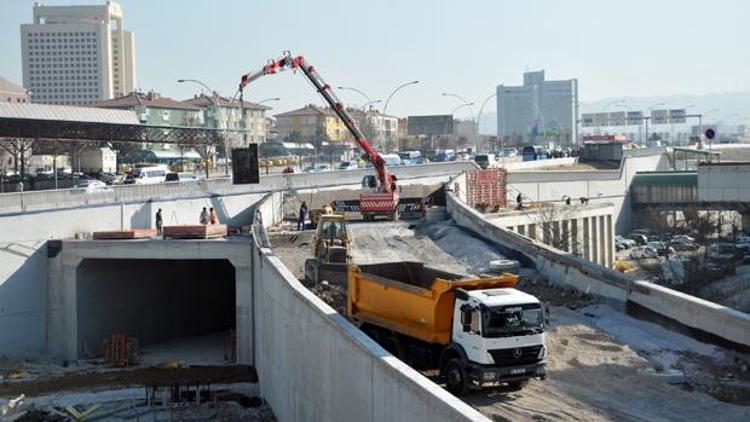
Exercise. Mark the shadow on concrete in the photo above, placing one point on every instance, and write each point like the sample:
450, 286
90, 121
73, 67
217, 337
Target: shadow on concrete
23, 299
142, 218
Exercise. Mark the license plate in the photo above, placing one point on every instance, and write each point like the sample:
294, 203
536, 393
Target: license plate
517, 371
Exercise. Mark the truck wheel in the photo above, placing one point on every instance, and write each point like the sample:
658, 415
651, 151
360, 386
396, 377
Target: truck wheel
517, 385
455, 377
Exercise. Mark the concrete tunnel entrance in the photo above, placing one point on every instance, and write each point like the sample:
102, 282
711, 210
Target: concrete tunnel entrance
177, 309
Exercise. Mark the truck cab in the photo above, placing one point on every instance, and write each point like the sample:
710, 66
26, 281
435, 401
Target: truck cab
497, 337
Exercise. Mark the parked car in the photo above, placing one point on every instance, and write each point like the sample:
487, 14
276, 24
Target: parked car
348, 165
626, 243
318, 168
181, 177
639, 238
91, 186
661, 248
644, 252
724, 253
681, 245
683, 237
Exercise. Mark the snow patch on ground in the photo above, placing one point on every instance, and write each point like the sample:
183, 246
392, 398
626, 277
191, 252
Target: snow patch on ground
661, 345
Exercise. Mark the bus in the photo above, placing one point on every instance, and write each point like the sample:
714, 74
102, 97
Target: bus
410, 157
533, 153
443, 155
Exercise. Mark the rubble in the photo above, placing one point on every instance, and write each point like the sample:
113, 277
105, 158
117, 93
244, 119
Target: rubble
335, 296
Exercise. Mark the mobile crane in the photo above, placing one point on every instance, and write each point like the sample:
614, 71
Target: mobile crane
380, 193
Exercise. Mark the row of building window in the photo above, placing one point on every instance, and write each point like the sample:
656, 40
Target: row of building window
70, 91
57, 34
63, 47
62, 77
18, 100
62, 40
68, 71
61, 65
78, 83
54, 52
62, 59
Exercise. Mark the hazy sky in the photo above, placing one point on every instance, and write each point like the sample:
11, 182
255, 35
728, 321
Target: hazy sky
624, 48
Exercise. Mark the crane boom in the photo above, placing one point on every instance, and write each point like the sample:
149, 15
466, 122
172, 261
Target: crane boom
386, 181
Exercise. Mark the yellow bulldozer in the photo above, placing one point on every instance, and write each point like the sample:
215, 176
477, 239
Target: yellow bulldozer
331, 251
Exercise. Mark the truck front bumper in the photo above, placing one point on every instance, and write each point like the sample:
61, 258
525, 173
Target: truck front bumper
488, 375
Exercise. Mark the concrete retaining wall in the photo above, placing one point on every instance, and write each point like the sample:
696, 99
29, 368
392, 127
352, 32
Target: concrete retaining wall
313, 365
24, 262
721, 321
556, 266
598, 185
560, 267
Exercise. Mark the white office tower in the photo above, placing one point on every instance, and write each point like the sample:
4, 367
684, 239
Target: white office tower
77, 54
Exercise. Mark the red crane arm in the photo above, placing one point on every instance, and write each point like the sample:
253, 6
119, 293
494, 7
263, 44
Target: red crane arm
299, 62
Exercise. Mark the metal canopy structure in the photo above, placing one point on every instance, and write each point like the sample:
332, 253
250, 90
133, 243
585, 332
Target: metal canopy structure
19, 128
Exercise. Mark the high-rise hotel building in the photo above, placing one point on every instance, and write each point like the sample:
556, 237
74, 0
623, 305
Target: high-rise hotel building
77, 54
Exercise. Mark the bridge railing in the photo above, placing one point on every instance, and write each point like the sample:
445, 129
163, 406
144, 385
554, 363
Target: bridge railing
19, 202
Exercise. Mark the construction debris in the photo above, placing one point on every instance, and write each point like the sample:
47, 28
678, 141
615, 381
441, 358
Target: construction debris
333, 295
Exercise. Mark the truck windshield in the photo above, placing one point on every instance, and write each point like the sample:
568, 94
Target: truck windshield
507, 321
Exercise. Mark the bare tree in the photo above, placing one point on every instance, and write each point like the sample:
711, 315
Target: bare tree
19, 149
557, 226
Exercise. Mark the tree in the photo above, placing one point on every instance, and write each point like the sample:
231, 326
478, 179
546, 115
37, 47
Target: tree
19, 149
554, 225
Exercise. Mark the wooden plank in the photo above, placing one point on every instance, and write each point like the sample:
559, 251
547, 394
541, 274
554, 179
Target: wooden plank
195, 231
124, 234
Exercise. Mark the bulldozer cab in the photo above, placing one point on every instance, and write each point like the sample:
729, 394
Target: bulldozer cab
332, 227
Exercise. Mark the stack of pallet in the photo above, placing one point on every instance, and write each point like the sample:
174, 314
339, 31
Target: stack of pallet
195, 231
487, 189
125, 234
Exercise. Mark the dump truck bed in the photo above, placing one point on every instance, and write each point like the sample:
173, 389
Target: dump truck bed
411, 298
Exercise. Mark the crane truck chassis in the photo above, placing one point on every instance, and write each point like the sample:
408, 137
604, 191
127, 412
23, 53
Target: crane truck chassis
478, 332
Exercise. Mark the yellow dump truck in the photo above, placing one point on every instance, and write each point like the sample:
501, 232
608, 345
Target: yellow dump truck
478, 332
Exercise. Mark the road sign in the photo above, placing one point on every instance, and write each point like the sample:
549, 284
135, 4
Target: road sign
634, 118
659, 117
617, 118
710, 134
677, 115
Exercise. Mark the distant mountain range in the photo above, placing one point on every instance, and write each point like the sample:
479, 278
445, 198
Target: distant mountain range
731, 108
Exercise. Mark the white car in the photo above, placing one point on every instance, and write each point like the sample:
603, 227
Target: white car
91, 186
684, 237
318, 168
644, 252
348, 165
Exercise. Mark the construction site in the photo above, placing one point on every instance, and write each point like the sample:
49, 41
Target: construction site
421, 292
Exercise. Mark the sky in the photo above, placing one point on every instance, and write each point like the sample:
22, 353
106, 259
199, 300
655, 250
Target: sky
615, 49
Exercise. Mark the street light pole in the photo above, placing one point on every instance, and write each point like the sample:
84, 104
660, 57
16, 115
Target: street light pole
388, 100
358, 91
471, 110
223, 117
479, 116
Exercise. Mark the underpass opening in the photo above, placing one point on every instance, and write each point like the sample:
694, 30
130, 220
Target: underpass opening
180, 310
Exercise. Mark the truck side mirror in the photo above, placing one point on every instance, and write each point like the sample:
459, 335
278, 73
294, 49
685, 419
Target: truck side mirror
545, 314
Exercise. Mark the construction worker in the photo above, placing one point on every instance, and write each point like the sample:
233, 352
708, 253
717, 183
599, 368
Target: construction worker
213, 218
519, 201
158, 222
302, 214
204, 216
